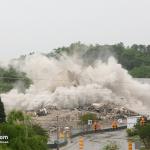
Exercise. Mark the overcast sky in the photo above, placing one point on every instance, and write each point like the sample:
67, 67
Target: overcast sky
41, 25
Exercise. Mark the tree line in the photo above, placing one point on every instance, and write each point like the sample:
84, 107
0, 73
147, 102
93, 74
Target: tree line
135, 58
9, 76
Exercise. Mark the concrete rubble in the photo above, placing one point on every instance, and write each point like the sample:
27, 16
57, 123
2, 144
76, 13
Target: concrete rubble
71, 118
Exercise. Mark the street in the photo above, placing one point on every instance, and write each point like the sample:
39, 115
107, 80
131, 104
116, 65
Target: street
98, 141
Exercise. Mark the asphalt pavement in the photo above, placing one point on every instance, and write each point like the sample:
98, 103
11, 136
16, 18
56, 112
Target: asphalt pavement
98, 141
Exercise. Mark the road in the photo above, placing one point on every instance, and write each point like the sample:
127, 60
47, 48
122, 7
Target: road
98, 141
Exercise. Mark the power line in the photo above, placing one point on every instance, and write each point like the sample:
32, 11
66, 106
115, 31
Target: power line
24, 78
12, 78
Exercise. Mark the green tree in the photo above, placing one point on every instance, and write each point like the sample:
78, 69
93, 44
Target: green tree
88, 116
15, 116
131, 132
135, 58
142, 71
39, 130
8, 77
22, 134
144, 133
4, 147
2, 112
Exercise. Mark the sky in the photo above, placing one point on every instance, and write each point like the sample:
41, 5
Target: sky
42, 25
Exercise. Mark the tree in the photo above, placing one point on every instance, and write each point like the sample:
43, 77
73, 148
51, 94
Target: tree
2, 112
142, 71
88, 116
131, 132
144, 133
22, 134
15, 116
10, 76
130, 57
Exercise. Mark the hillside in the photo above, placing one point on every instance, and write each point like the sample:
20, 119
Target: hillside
135, 58
10, 78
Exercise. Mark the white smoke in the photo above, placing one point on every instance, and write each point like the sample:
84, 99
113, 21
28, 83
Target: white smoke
67, 83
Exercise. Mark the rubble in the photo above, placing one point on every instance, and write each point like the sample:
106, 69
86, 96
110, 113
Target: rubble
71, 118
109, 110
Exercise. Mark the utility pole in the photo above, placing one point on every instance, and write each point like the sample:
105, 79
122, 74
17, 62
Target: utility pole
71, 134
57, 133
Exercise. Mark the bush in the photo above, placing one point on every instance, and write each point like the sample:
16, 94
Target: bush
22, 135
144, 133
131, 132
88, 116
111, 146
4, 147
15, 116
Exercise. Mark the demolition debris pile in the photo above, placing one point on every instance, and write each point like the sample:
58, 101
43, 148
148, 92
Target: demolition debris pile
105, 113
109, 110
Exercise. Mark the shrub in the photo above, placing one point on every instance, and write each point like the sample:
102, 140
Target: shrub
88, 116
131, 132
111, 146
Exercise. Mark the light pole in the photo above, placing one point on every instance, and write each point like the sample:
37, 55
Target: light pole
57, 133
